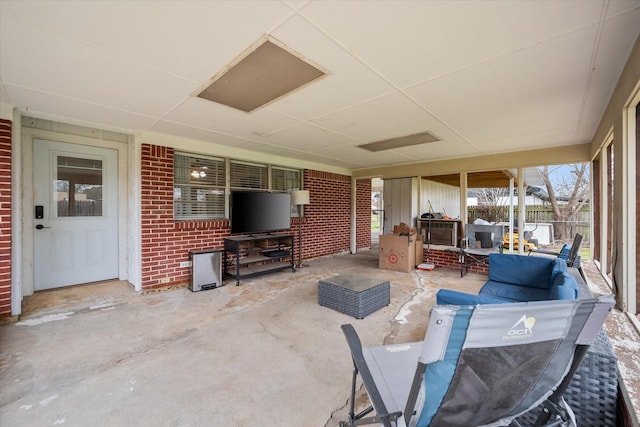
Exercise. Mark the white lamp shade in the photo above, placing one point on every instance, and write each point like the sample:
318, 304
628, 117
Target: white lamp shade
300, 197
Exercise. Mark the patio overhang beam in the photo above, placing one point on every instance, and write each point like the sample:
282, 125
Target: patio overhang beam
487, 179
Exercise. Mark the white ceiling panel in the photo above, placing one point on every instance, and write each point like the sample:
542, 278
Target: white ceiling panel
438, 151
44, 105
619, 7
190, 39
198, 112
320, 158
306, 137
360, 157
195, 133
554, 69
591, 112
541, 139
46, 62
484, 76
371, 121
411, 41
517, 121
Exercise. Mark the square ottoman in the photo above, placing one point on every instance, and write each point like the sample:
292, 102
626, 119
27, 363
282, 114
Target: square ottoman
355, 295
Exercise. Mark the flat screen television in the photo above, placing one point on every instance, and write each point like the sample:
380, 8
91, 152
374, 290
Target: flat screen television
259, 212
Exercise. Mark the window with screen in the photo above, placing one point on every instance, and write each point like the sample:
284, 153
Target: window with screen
201, 184
199, 187
248, 176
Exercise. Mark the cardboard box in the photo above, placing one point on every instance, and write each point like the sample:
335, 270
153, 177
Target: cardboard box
419, 250
397, 253
403, 228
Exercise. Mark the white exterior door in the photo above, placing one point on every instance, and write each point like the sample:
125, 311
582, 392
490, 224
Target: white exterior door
76, 214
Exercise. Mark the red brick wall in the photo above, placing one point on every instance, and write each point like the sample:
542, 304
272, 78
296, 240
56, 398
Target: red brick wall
449, 259
166, 243
325, 228
363, 213
5, 218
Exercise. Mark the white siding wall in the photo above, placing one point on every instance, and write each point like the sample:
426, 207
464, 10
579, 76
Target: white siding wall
444, 198
400, 199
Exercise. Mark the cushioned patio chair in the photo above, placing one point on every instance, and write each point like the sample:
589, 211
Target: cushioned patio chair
478, 366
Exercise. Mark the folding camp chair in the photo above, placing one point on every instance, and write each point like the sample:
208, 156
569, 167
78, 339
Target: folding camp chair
568, 252
481, 240
478, 366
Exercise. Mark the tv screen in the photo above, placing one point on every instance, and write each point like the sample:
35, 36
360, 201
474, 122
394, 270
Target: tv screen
257, 212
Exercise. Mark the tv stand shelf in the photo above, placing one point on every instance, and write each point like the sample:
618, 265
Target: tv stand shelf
248, 256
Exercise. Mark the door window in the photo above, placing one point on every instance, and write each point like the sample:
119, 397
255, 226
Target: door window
78, 186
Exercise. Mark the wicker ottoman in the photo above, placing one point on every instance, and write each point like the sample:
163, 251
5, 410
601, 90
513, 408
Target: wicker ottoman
354, 295
593, 391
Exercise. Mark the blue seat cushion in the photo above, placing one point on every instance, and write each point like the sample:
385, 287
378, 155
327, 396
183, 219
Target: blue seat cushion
514, 293
564, 287
558, 266
533, 272
447, 296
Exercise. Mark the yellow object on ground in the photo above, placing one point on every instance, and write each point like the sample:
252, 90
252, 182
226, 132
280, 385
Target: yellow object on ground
528, 246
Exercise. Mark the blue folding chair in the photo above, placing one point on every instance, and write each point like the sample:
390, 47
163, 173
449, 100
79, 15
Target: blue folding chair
478, 365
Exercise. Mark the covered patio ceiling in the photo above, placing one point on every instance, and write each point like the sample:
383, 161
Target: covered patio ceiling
480, 77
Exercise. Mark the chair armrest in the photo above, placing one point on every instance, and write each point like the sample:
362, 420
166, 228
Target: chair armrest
360, 364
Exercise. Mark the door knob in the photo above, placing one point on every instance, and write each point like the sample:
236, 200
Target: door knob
40, 227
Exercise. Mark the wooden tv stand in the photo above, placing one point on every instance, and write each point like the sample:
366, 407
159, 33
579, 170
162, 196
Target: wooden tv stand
248, 256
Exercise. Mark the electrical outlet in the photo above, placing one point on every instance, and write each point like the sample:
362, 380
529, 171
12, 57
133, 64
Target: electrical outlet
164, 280
185, 264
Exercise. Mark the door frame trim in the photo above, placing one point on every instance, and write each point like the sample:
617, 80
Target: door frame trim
25, 263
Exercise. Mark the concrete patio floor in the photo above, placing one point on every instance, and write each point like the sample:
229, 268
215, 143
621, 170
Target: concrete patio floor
260, 354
